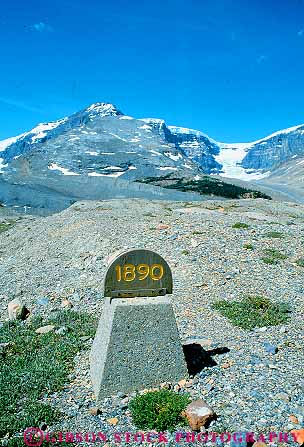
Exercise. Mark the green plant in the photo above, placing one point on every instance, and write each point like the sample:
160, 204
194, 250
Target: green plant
253, 311
269, 260
240, 225
34, 366
276, 254
158, 410
248, 246
273, 256
185, 252
197, 232
300, 262
275, 234
4, 226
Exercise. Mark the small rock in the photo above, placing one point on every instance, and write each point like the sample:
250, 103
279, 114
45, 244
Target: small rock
62, 330
66, 304
283, 330
163, 227
173, 237
209, 387
85, 338
293, 419
121, 395
182, 383
45, 329
94, 411
201, 285
194, 243
271, 349
112, 421
262, 329
198, 413
43, 301
272, 366
76, 296
226, 365
283, 396
17, 310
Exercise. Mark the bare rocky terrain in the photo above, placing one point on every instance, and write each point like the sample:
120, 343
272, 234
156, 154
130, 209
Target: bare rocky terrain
45, 260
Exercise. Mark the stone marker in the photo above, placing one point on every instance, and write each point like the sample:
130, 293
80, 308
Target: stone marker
136, 273
137, 344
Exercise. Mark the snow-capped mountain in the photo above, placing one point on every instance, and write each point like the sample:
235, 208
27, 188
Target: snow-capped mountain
103, 143
98, 141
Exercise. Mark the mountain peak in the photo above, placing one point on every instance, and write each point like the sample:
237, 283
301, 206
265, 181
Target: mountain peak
103, 109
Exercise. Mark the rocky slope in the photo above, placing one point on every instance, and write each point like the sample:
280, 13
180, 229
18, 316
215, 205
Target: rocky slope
64, 256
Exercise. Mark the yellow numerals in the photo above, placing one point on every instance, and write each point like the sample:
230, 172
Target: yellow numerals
130, 272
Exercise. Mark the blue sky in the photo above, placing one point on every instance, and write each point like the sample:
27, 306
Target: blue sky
231, 68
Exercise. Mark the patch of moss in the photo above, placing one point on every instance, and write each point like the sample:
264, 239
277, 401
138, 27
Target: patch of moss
275, 234
248, 246
269, 260
273, 256
253, 311
240, 225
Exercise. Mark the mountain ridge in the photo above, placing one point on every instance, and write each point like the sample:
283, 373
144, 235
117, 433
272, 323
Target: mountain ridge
101, 141
226, 156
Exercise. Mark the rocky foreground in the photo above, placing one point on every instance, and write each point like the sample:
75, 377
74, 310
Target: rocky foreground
251, 387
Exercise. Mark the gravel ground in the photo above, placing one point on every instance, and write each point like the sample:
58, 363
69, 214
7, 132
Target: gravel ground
65, 256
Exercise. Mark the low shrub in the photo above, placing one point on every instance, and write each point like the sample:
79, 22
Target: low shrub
158, 410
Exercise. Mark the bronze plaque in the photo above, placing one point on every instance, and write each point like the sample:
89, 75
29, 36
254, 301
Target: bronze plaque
136, 273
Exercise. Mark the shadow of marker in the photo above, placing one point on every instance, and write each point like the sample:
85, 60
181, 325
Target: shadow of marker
197, 358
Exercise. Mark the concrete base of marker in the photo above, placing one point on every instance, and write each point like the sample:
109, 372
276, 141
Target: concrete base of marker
136, 346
